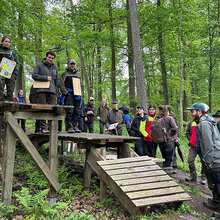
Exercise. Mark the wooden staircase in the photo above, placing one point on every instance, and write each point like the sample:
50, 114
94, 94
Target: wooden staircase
139, 183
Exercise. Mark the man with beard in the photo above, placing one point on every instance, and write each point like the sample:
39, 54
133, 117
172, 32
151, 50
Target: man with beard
209, 138
66, 87
46, 71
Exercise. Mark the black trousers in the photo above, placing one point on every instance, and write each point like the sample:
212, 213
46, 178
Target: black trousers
72, 114
89, 126
10, 85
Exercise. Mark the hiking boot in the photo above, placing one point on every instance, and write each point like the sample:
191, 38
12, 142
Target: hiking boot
212, 204
45, 131
216, 215
77, 130
192, 178
71, 130
203, 180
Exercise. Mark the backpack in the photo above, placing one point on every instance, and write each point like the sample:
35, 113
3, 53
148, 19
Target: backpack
33, 95
158, 130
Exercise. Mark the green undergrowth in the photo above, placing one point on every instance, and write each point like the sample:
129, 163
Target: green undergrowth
183, 209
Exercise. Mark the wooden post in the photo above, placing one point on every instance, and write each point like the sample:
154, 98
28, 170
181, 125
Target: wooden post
8, 165
87, 170
124, 151
53, 155
103, 189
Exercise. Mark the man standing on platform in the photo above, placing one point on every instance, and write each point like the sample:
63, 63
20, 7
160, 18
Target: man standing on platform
66, 87
115, 116
102, 114
46, 71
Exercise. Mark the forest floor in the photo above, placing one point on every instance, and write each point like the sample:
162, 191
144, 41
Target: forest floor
112, 209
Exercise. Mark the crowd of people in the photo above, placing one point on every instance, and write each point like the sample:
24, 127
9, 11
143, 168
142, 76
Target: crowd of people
155, 127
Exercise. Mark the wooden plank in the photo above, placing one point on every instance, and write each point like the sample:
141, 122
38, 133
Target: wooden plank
162, 199
8, 165
38, 115
103, 189
143, 180
155, 192
123, 198
123, 160
133, 170
87, 171
32, 151
148, 186
128, 165
53, 152
138, 175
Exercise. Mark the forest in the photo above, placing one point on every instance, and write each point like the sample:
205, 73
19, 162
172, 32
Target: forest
140, 52
179, 44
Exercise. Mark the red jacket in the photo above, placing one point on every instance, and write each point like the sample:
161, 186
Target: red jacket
148, 127
191, 133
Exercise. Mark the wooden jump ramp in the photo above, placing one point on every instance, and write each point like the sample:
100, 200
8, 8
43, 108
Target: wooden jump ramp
139, 183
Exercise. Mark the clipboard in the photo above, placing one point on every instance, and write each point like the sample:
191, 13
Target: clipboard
76, 86
7, 67
41, 84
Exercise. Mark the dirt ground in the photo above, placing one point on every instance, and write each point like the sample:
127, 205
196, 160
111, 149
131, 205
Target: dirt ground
197, 201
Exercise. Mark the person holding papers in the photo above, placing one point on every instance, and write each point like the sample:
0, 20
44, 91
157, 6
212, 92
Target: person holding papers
115, 119
7, 52
45, 78
70, 87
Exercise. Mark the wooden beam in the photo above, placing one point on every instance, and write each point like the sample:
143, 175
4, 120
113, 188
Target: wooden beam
53, 151
8, 165
32, 151
38, 115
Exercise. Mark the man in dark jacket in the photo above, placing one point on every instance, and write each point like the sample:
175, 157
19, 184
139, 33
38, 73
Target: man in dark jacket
115, 116
217, 118
209, 138
102, 114
66, 87
46, 71
89, 114
7, 52
135, 126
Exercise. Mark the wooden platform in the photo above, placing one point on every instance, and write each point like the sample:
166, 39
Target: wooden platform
139, 183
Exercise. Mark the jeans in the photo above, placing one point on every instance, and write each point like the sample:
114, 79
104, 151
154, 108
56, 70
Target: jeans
167, 149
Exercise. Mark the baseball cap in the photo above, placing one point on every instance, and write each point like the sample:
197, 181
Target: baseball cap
91, 98
141, 106
72, 61
197, 106
217, 114
114, 101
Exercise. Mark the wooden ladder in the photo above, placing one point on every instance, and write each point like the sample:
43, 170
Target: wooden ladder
139, 183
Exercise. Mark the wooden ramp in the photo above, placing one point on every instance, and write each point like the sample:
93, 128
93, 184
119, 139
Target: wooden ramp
139, 183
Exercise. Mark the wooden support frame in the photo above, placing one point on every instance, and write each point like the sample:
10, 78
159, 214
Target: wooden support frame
8, 165
14, 130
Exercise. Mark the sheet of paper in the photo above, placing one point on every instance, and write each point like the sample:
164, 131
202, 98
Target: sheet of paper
7, 67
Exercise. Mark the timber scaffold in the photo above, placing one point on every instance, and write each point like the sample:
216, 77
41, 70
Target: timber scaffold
138, 182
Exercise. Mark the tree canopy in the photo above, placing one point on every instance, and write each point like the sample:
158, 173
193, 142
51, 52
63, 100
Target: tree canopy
180, 42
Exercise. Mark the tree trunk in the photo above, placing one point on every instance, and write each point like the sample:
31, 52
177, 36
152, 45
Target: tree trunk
132, 102
113, 68
83, 68
181, 66
210, 77
20, 78
138, 61
99, 64
162, 60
